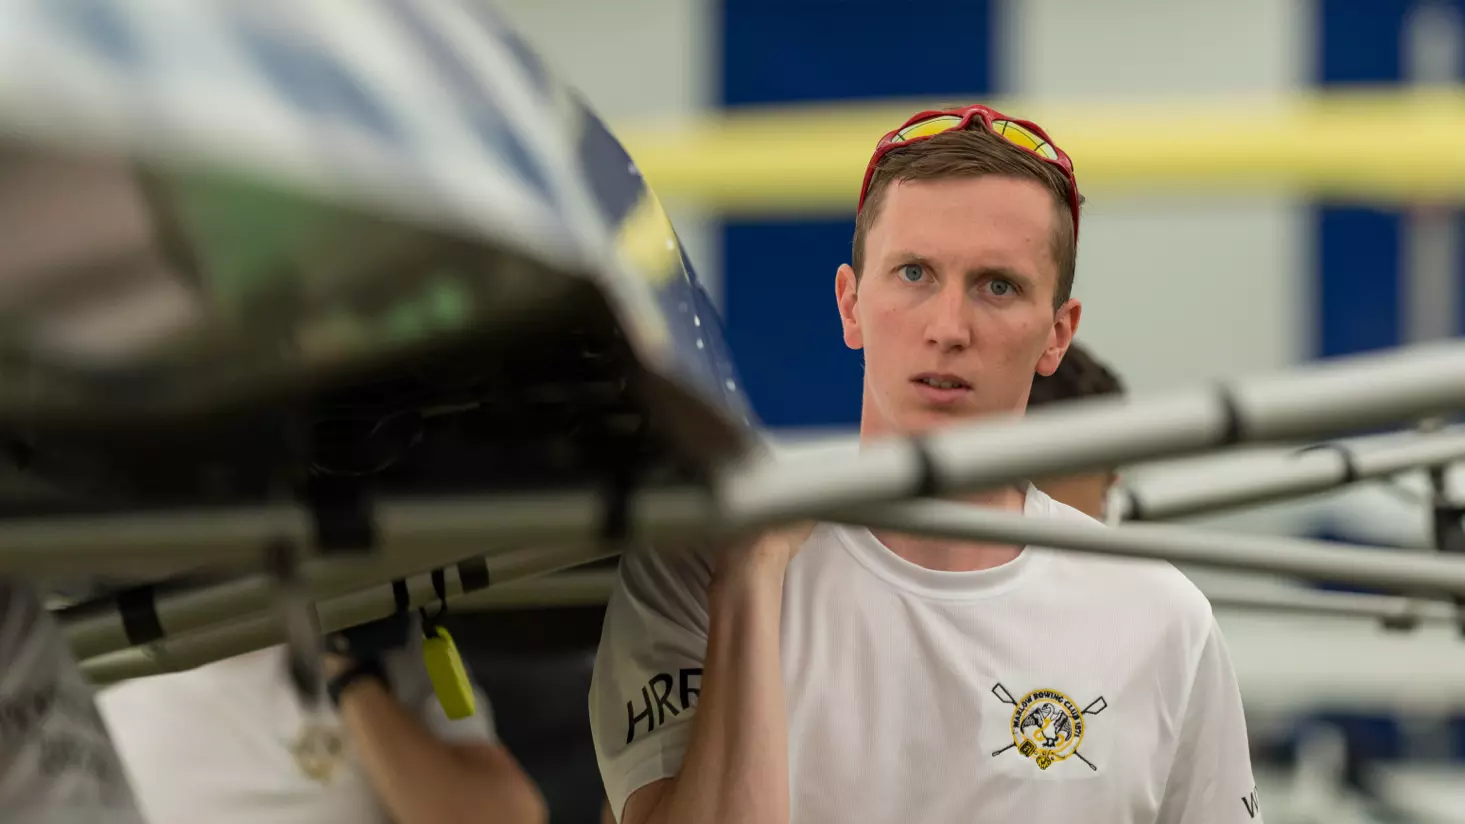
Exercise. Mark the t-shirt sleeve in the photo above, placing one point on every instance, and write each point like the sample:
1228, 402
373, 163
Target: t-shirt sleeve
57, 760
648, 669
413, 687
1211, 779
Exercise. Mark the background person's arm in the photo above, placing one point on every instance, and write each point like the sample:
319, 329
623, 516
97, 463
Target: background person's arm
57, 759
423, 777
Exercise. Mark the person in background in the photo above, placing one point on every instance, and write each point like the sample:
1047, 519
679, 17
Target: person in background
1079, 376
232, 742
57, 761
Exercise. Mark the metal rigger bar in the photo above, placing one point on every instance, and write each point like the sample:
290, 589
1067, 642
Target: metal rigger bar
407, 531
1337, 397
1315, 468
593, 587
263, 628
144, 615
1423, 574
1391, 611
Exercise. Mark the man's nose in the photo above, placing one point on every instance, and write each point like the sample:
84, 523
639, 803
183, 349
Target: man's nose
949, 327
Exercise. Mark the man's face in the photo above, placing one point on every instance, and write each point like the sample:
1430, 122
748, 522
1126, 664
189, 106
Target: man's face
954, 310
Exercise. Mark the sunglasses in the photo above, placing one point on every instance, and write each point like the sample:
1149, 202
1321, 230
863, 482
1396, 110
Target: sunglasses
1023, 134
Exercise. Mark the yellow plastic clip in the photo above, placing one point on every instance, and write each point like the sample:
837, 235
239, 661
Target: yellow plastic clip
440, 656
449, 678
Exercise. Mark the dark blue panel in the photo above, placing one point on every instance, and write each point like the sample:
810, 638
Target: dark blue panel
1358, 286
786, 50
1460, 273
783, 323
1357, 295
778, 276
1360, 41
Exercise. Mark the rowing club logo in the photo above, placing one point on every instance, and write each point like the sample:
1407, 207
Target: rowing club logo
1047, 726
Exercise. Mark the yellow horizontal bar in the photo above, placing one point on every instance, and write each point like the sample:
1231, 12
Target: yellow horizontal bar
1362, 144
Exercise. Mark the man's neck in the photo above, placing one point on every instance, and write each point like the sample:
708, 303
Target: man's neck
960, 556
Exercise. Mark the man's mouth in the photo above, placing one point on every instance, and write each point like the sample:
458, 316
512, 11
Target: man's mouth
942, 381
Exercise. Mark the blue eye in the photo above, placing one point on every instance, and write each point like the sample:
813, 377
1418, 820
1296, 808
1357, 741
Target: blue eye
1001, 288
912, 272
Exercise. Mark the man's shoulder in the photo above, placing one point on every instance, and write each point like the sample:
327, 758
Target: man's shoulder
660, 573
1159, 585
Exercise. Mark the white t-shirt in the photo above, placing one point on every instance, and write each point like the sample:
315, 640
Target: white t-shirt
1056, 687
56, 762
214, 744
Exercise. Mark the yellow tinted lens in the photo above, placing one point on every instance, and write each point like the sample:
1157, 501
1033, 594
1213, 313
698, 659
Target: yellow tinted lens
926, 128
1025, 138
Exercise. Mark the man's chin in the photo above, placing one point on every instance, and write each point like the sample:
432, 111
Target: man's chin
922, 421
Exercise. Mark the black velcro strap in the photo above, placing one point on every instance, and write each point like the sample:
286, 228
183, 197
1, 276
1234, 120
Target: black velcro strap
1350, 462
926, 484
1449, 534
139, 610
1136, 509
440, 586
368, 668
473, 574
615, 524
401, 595
1231, 432
342, 515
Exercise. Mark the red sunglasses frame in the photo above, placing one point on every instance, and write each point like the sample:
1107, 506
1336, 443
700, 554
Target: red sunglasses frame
987, 117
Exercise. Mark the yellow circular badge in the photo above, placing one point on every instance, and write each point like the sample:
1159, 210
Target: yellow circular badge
1047, 727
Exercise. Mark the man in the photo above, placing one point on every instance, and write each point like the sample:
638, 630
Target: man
231, 742
57, 763
828, 674
1079, 376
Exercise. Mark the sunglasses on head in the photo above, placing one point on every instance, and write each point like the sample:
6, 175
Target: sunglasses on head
1024, 134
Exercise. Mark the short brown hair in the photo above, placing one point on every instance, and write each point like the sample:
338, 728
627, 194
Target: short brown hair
972, 153
1079, 375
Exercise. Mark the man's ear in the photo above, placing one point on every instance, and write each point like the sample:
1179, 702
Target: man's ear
1065, 324
846, 294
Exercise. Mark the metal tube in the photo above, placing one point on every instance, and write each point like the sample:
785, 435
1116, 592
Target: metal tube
264, 628
578, 589
148, 545
155, 544
1341, 395
1212, 488
413, 537
570, 589
573, 589
1373, 567
98, 627
563, 589
1391, 610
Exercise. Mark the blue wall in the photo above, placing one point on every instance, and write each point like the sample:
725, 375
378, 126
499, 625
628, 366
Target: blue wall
1358, 246
1358, 299
778, 276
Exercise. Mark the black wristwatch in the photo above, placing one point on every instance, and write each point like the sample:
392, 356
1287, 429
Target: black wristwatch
365, 668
